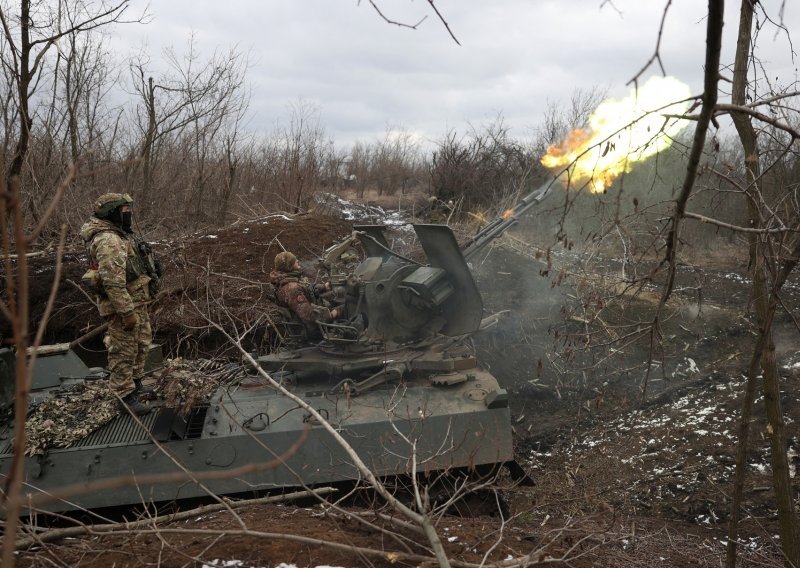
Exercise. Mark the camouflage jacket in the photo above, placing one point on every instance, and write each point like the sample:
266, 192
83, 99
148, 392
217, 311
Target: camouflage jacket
122, 272
296, 293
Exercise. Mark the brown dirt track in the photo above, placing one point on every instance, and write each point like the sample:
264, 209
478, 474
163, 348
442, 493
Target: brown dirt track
617, 484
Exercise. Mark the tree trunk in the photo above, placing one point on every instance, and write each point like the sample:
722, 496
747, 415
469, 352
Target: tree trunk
764, 300
149, 141
71, 88
25, 121
230, 180
741, 453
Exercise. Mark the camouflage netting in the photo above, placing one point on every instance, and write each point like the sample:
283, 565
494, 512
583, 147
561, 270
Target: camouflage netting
71, 416
61, 421
186, 383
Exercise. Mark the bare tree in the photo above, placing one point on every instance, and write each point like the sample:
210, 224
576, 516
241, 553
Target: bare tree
762, 183
87, 76
216, 101
303, 146
15, 308
396, 163
773, 257
31, 35
361, 166
485, 168
187, 105
763, 116
234, 145
560, 119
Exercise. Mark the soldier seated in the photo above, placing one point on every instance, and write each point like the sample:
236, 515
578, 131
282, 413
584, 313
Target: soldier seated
296, 293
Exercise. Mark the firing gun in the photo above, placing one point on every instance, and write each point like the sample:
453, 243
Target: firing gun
502, 223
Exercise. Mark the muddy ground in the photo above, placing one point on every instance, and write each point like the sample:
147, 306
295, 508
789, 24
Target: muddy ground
631, 468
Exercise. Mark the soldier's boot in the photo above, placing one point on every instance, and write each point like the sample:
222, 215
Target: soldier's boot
142, 390
131, 402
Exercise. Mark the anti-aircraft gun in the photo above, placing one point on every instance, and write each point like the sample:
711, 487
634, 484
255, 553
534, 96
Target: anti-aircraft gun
402, 316
408, 323
396, 378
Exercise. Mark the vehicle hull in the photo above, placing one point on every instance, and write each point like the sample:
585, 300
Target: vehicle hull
252, 438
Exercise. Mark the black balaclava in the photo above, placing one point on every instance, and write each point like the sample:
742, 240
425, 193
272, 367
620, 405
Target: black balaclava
122, 220
127, 222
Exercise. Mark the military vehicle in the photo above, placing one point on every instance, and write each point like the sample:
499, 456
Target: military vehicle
396, 378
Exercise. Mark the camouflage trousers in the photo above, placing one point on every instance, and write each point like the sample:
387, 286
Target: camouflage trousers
128, 350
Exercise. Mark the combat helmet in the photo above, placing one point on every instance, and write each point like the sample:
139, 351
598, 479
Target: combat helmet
284, 261
106, 203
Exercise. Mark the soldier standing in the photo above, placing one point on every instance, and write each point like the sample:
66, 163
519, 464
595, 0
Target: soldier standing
123, 273
296, 293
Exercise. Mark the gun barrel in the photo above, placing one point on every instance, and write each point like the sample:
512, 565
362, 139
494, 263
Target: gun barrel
501, 224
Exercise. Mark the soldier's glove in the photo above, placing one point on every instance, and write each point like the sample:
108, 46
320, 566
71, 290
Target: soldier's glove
129, 321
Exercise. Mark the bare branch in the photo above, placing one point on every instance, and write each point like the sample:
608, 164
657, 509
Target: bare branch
52, 298
54, 202
112, 14
714, 46
393, 22
716, 222
446, 25
657, 52
738, 109
432, 4
62, 533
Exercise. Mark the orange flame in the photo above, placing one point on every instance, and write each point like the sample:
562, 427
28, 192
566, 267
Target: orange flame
508, 213
621, 133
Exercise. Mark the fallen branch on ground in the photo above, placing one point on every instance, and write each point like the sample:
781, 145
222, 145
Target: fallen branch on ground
60, 533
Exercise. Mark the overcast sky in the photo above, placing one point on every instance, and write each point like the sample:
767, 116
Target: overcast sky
366, 76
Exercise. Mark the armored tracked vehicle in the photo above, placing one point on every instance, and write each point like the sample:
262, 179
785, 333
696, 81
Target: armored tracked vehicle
396, 378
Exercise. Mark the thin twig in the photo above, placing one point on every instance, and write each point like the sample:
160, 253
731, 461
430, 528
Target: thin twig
61, 533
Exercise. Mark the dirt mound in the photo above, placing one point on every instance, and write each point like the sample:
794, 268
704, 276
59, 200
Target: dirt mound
222, 276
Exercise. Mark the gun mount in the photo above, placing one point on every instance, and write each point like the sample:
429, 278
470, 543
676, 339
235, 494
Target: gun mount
394, 303
504, 222
400, 362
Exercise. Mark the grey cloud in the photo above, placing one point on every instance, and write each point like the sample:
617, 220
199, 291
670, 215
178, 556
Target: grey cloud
515, 55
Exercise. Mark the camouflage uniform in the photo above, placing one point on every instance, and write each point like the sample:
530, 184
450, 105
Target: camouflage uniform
295, 292
124, 282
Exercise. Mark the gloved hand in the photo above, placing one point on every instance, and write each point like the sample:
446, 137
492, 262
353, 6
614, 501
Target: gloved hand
129, 320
